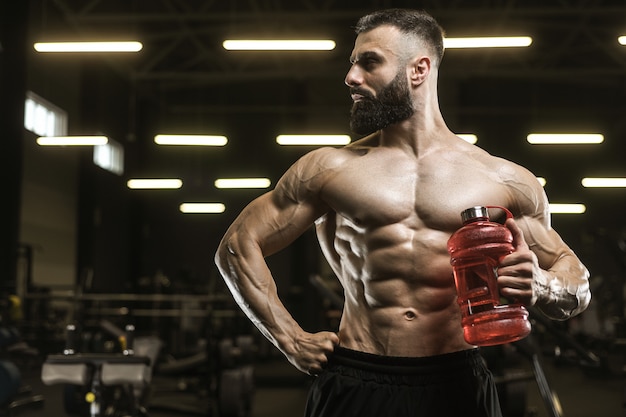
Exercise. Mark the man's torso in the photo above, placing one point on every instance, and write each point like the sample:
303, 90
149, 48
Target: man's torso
385, 238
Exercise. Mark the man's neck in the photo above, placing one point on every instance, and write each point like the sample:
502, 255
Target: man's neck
418, 132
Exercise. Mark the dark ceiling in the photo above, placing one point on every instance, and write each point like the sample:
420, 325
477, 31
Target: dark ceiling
572, 78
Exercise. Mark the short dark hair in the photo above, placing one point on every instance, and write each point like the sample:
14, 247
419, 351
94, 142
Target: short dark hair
415, 22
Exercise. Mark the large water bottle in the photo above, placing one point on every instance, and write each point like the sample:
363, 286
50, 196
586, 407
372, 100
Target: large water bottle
475, 251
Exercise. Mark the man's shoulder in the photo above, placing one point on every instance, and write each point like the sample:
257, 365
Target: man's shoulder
496, 162
507, 171
332, 157
524, 187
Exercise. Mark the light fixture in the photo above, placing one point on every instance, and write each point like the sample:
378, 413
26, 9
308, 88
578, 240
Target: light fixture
202, 208
154, 183
191, 140
127, 46
72, 140
615, 182
567, 208
542, 181
242, 183
622, 40
278, 45
313, 139
488, 42
564, 138
468, 137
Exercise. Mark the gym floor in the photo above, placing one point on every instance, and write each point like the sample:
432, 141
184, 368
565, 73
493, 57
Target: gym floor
281, 392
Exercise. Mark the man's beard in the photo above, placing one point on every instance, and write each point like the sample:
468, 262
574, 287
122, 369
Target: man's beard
393, 104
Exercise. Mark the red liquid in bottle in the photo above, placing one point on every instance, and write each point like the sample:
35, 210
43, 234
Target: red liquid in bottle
475, 251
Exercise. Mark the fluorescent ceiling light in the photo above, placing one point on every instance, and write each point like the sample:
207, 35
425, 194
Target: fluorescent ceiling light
564, 138
567, 208
468, 137
154, 184
202, 207
488, 42
278, 45
72, 140
197, 140
622, 40
131, 46
616, 182
313, 139
542, 181
242, 183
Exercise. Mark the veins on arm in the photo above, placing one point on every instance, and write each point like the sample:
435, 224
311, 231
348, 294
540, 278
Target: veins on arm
265, 226
561, 286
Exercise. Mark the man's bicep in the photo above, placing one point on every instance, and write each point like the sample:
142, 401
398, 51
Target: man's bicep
278, 217
555, 256
274, 220
533, 217
544, 241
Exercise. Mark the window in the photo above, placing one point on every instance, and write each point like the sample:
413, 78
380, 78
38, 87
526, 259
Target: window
110, 157
44, 118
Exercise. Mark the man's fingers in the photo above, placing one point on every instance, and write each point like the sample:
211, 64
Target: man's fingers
518, 235
314, 352
333, 338
516, 287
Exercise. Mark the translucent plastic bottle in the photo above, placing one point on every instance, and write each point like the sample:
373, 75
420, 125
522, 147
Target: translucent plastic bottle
475, 250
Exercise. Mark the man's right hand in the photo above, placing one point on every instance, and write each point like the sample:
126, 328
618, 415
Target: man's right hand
312, 350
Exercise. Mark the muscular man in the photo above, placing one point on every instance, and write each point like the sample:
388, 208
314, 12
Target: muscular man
383, 208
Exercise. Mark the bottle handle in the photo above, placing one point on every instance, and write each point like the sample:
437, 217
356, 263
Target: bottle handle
509, 215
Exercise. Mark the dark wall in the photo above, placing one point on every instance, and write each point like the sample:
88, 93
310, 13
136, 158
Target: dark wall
13, 40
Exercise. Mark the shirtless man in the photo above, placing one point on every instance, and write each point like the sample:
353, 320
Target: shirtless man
383, 208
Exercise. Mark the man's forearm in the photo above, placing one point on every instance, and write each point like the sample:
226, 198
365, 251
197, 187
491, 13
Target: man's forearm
559, 299
257, 297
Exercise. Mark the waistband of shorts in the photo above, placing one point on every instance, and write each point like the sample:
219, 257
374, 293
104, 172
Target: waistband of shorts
446, 362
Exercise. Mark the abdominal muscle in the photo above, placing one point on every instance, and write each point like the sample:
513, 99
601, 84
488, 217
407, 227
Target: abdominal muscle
400, 298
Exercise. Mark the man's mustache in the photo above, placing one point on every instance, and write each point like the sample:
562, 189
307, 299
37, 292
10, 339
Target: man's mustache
365, 94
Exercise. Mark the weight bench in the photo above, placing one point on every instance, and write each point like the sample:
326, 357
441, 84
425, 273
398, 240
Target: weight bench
95, 371
107, 369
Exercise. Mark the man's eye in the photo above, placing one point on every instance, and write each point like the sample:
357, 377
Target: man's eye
369, 62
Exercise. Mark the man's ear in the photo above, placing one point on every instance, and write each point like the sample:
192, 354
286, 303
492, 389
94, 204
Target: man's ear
419, 70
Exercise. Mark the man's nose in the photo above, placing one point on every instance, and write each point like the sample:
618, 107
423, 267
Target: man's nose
353, 77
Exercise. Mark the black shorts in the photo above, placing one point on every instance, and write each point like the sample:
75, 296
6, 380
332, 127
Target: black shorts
365, 385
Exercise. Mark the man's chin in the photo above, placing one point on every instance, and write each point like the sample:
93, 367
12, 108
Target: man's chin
362, 130
359, 122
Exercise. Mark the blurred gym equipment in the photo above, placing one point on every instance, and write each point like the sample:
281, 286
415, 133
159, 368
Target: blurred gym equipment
13, 352
110, 384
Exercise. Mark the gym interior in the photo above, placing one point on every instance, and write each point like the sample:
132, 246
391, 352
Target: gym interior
110, 302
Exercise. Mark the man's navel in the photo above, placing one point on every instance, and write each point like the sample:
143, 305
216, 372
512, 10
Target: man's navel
410, 315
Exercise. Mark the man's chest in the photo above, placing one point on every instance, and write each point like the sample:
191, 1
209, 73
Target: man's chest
389, 192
